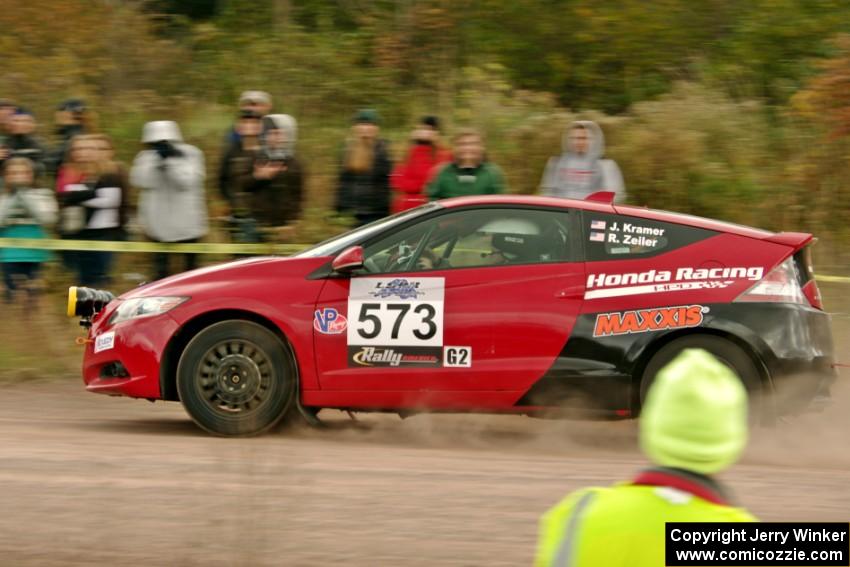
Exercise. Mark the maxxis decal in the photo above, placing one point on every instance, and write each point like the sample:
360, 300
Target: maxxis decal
646, 320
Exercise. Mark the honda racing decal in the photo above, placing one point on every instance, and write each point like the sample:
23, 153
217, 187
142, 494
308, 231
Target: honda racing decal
645, 320
660, 281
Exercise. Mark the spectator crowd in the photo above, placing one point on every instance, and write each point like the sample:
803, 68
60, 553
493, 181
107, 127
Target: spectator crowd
76, 189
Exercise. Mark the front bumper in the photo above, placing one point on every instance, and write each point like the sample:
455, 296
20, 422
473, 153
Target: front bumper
137, 346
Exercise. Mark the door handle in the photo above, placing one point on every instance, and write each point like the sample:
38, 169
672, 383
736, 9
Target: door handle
572, 292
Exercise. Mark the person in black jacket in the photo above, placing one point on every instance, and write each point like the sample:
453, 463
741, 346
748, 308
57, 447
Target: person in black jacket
364, 178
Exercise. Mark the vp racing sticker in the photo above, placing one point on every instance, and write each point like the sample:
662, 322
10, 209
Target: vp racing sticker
395, 322
645, 320
329, 321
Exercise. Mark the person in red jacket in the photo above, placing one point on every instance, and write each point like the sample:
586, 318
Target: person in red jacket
425, 154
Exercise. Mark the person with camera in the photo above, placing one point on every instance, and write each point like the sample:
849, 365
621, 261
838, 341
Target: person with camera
426, 153
235, 172
275, 188
172, 205
25, 212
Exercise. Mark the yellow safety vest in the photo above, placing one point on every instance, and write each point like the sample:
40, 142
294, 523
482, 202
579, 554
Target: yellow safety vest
622, 525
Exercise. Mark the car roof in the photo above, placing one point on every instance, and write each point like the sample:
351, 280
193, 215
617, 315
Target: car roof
596, 206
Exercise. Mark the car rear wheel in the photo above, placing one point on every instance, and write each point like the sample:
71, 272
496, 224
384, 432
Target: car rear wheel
726, 351
236, 378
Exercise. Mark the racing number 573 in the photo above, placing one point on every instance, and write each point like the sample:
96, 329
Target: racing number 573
426, 311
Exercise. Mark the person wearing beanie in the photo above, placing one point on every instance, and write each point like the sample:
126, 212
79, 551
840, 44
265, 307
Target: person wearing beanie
363, 189
423, 159
693, 425
72, 119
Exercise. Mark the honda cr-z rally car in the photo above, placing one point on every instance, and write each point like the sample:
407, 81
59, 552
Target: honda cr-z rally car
498, 304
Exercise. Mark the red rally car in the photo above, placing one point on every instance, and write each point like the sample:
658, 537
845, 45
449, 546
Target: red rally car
499, 304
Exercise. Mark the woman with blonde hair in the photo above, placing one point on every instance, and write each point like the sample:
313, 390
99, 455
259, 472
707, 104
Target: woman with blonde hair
364, 178
101, 194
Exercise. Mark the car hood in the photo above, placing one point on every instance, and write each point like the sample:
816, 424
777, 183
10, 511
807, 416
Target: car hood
231, 274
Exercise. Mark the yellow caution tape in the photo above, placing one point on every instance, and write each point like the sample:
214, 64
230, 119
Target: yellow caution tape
832, 279
117, 246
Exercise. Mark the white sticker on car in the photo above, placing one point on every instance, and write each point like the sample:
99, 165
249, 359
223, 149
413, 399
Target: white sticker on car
457, 356
390, 312
103, 342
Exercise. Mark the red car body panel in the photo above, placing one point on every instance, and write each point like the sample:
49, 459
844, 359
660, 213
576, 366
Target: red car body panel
525, 324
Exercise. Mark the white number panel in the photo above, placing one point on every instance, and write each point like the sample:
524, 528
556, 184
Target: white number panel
392, 312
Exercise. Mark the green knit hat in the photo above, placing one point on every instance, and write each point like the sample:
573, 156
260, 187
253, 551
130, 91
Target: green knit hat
368, 115
695, 415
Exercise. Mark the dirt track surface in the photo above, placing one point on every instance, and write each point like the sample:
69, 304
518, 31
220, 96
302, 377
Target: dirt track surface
93, 480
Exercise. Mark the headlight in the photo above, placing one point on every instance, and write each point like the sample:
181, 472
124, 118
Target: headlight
144, 307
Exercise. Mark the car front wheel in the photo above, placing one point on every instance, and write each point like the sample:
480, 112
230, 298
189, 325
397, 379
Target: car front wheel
236, 378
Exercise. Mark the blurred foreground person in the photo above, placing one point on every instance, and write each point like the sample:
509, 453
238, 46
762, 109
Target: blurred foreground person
72, 119
275, 189
25, 212
425, 154
172, 204
21, 142
470, 173
364, 189
581, 170
693, 424
101, 194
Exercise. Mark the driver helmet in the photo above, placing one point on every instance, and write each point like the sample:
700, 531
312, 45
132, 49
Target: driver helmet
516, 239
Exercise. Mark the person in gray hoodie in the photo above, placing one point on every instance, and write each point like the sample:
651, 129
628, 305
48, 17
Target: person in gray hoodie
581, 170
172, 204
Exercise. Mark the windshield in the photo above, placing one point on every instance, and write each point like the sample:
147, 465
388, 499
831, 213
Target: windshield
358, 235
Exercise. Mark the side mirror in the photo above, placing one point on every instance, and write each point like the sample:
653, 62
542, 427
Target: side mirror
348, 260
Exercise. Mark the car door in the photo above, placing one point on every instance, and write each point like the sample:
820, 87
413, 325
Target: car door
478, 299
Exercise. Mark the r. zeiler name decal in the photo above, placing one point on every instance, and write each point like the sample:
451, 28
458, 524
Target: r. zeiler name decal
660, 281
645, 320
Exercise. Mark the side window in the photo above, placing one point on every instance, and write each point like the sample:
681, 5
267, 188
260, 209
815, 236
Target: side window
619, 237
474, 238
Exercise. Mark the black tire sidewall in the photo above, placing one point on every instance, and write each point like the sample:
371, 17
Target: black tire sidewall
725, 350
283, 379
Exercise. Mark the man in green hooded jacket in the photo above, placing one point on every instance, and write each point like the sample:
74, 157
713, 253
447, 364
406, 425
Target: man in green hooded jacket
693, 425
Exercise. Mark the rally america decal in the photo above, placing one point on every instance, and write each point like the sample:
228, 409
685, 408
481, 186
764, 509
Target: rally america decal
395, 322
645, 320
103, 342
662, 281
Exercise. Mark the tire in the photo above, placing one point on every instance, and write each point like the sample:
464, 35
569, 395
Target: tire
236, 378
726, 351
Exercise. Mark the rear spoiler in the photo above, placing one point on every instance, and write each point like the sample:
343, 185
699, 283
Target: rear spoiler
605, 197
794, 239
